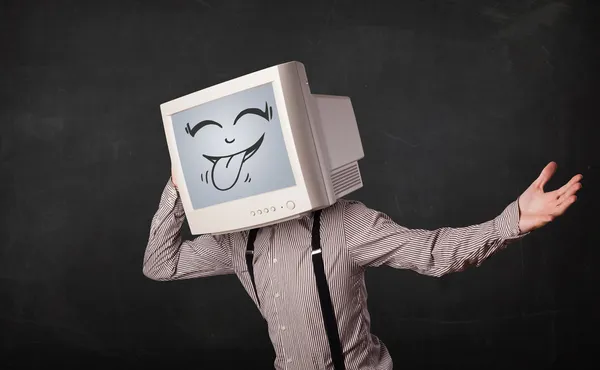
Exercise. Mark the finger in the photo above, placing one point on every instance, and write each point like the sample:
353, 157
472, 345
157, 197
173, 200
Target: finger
546, 174
575, 179
560, 209
569, 191
173, 178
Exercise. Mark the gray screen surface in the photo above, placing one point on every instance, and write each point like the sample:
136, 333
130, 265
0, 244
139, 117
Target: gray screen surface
232, 147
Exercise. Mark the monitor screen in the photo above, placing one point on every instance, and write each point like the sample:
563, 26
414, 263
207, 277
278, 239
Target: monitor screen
232, 148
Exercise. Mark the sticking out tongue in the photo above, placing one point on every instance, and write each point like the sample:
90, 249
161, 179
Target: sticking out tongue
226, 171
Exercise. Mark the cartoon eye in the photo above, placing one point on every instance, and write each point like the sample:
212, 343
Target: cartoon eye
266, 114
198, 126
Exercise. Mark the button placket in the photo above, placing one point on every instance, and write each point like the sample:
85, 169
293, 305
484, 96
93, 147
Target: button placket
276, 295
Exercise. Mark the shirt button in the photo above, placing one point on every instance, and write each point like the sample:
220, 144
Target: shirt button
289, 360
277, 295
274, 260
282, 327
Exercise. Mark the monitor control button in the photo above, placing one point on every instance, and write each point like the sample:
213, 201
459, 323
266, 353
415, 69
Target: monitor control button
253, 213
290, 205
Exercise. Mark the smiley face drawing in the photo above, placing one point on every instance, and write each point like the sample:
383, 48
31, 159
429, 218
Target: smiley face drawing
226, 168
232, 147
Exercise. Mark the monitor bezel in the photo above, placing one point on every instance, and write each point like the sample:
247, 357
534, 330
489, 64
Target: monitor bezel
242, 214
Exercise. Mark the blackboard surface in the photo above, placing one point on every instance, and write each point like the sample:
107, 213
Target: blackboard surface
460, 105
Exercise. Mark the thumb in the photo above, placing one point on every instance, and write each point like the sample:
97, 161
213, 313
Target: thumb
545, 175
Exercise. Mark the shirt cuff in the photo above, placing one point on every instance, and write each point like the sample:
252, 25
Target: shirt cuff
507, 223
173, 197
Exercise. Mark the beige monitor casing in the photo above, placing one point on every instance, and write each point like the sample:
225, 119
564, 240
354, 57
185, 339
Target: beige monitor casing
322, 141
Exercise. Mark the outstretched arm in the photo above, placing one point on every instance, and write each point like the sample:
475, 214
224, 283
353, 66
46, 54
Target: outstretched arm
167, 257
374, 239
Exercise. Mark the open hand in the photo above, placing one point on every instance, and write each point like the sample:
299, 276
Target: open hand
537, 208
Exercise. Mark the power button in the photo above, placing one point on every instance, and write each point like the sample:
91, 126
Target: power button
290, 205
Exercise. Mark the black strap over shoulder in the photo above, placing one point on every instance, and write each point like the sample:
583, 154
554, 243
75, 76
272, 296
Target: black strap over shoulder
250, 259
331, 327
327, 311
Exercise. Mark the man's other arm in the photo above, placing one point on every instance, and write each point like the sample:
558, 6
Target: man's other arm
374, 239
167, 257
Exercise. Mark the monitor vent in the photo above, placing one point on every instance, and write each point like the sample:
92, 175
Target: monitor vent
346, 179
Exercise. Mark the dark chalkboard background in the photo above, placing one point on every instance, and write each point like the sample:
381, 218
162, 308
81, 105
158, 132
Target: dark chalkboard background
460, 105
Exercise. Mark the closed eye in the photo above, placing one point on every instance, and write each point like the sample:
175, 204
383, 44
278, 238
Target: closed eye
266, 114
192, 131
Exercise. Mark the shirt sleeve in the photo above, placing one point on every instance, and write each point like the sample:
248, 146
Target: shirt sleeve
374, 239
167, 257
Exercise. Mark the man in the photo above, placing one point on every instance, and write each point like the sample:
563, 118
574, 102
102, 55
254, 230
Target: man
353, 237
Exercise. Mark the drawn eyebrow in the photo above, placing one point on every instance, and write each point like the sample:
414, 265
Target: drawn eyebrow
198, 126
266, 114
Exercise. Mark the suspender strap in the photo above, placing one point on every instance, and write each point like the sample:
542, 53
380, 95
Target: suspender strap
250, 259
331, 327
329, 320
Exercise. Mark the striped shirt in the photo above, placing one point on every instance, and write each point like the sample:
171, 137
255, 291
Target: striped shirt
353, 237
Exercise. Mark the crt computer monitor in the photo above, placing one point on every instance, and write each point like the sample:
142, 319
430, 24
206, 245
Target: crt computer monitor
260, 149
